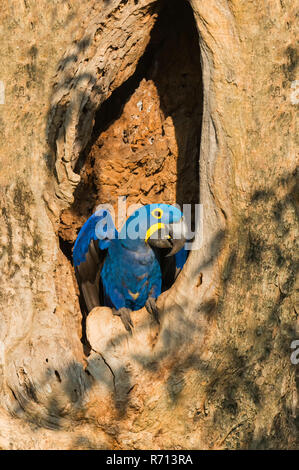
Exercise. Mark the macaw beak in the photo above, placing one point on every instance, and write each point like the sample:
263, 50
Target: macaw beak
170, 236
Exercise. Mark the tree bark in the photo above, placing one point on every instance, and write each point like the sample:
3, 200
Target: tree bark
216, 373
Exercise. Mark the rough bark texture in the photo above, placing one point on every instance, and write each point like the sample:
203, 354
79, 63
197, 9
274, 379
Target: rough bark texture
217, 372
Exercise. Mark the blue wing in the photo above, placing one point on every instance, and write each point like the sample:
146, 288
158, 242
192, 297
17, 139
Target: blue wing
129, 276
99, 226
171, 266
181, 258
89, 254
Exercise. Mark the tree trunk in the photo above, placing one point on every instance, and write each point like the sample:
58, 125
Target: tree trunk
217, 80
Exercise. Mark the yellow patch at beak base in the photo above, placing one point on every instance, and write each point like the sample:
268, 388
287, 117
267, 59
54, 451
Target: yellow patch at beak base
153, 229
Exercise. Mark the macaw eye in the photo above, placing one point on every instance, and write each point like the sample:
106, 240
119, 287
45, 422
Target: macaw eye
157, 213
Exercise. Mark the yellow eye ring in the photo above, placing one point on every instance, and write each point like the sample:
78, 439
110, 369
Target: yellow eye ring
157, 213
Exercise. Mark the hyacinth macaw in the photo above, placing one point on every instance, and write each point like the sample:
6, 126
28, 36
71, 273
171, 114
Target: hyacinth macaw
128, 270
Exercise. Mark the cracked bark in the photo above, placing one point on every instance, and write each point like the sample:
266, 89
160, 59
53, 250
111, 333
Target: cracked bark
217, 372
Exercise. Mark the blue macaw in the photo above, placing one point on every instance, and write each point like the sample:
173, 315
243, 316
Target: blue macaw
128, 270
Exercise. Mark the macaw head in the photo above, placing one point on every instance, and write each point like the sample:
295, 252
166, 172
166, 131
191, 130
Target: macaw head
159, 225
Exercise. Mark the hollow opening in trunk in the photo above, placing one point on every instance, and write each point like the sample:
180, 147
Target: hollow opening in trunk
146, 137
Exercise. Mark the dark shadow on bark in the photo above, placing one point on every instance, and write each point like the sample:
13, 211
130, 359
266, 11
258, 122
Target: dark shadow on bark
237, 376
232, 376
172, 61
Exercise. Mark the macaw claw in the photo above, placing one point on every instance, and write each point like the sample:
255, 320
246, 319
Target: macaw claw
151, 307
125, 316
